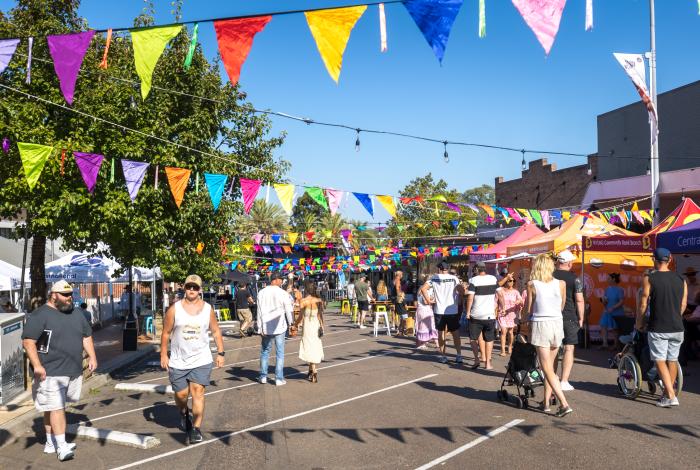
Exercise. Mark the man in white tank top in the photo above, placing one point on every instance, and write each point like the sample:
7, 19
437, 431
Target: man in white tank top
187, 325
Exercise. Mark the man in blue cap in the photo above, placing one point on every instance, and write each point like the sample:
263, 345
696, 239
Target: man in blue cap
665, 292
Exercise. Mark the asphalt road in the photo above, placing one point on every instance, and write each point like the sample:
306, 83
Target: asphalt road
379, 403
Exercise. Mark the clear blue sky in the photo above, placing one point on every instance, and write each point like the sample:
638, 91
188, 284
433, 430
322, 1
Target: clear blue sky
499, 90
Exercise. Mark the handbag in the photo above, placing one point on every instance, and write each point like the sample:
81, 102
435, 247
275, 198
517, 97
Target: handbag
320, 332
293, 331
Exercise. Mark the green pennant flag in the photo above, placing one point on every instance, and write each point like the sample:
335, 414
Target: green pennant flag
193, 45
149, 44
536, 216
111, 172
34, 158
316, 194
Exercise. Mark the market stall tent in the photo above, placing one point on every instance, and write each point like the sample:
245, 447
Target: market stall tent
85, 267
684, 239
10, 277
499, 250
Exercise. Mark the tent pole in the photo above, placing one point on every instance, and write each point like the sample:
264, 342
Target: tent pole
24, 266
585, 317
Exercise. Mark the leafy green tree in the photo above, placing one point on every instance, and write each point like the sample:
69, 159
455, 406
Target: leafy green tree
219, 134
484, 194
306, 214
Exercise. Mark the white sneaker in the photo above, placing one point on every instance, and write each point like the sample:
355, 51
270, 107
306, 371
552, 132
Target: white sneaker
665, 402
422, 347
65, 452
51, 449
674, 401
262, 380
362, 327
567, 387
280, 382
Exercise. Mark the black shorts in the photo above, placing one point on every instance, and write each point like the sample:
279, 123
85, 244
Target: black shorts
570, 332
487, 327
400, 309
363, 305
449, 322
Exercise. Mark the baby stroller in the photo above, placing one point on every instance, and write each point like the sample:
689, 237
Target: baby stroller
523, 372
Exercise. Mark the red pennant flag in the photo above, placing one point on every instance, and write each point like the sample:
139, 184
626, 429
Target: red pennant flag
235, 39
309, 236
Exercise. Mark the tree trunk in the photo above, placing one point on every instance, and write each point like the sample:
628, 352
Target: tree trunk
38, 272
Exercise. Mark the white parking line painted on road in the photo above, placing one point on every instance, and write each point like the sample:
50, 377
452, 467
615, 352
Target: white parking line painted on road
249, 384
471, 444
252, 360
275, 421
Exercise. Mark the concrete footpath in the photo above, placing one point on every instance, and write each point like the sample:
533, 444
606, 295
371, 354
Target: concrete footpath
110, 358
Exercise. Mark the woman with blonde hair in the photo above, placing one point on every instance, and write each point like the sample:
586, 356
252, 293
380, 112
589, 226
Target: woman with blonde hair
545, 299
311, 320
382, 291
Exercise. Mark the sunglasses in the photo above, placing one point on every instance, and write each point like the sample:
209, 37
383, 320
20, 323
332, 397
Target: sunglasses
193, 287
63, 294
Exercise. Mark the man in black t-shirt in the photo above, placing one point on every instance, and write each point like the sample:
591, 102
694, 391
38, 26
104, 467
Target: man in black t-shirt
665, 292
243, 302
54, 338
572, 313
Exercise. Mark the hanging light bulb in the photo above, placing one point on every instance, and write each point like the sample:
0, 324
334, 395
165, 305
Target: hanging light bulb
648, 170
357, 141
445, 155
589, 171
132, 102
523, 163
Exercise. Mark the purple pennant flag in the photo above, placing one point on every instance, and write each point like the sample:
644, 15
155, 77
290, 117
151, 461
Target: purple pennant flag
6, 145
89, 166
133, 174
68, 51
7, 50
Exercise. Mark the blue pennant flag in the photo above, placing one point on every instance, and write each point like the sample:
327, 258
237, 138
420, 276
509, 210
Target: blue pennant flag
435, 19
366, 202
216, 185
275, 237
234, 265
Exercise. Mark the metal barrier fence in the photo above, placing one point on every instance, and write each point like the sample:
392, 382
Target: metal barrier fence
331, 295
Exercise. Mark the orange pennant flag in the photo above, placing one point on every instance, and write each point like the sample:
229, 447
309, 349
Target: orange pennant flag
178, 179
488, 210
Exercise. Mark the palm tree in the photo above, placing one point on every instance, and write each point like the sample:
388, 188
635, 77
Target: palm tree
263, 218
333, 224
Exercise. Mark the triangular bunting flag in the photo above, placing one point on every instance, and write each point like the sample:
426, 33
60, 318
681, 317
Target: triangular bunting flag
545, 219
34, 158
316, 194
536, 216
193, 46
366, 202
292, 237
331, 31
235, 38
334, 197
387, 203
285, 193
89, 166
250, 189
177, 179
133, 174
543, 17
488, 209
149, 44
7, 50
275, 237
68, 51
435, 19
215, 185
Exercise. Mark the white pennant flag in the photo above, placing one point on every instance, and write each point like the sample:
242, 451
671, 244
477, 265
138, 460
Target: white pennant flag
634, 66
589, 15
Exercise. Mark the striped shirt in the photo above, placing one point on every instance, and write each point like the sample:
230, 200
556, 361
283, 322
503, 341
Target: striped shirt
483, 288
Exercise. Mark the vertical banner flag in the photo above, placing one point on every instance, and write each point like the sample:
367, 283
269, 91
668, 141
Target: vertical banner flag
149, 44
34, 158
334, 197
250, 189
68, 51
30, 45
366, 202
235, 38
331, 31
382, 28
435, 19
177, 179
7, 50
133, 174
543, 17
634, 66
482, 18
387, 203
292, 237
285, 193
193, 46
316, 194
215, 185
103, 64
589, 15
89, 165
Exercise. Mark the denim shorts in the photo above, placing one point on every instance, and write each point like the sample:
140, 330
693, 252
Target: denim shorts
181, 378
665, 346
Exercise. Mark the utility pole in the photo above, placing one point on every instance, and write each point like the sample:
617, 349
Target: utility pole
654, 156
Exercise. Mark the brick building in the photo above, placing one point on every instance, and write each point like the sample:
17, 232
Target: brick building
542, 186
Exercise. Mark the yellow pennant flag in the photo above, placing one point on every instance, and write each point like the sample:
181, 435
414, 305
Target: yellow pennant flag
149, 44
285, 193
387, 203
292, 237
331, 31
635, 207
33, 158
566, 215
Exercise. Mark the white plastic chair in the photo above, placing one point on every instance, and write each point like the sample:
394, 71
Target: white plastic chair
381, 314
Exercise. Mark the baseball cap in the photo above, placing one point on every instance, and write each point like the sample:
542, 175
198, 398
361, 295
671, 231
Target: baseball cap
193, 279
61, 287
662, 254
481, 265
442, 266
275, 276
565, 256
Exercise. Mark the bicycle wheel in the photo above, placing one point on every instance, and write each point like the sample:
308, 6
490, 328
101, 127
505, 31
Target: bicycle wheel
629, 377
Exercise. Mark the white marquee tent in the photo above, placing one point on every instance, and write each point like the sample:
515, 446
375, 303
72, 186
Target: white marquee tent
83, 267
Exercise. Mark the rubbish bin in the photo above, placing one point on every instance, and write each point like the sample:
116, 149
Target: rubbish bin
130, 335
11, 356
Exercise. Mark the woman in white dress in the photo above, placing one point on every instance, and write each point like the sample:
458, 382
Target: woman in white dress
311, 320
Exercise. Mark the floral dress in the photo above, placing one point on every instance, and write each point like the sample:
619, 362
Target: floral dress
513, 305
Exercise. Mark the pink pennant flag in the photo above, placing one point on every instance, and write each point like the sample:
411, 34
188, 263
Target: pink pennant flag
543, 17
638, 216
514, 214
89, 166
250, 189
257, 238
334, 197
545, 218
68, 51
